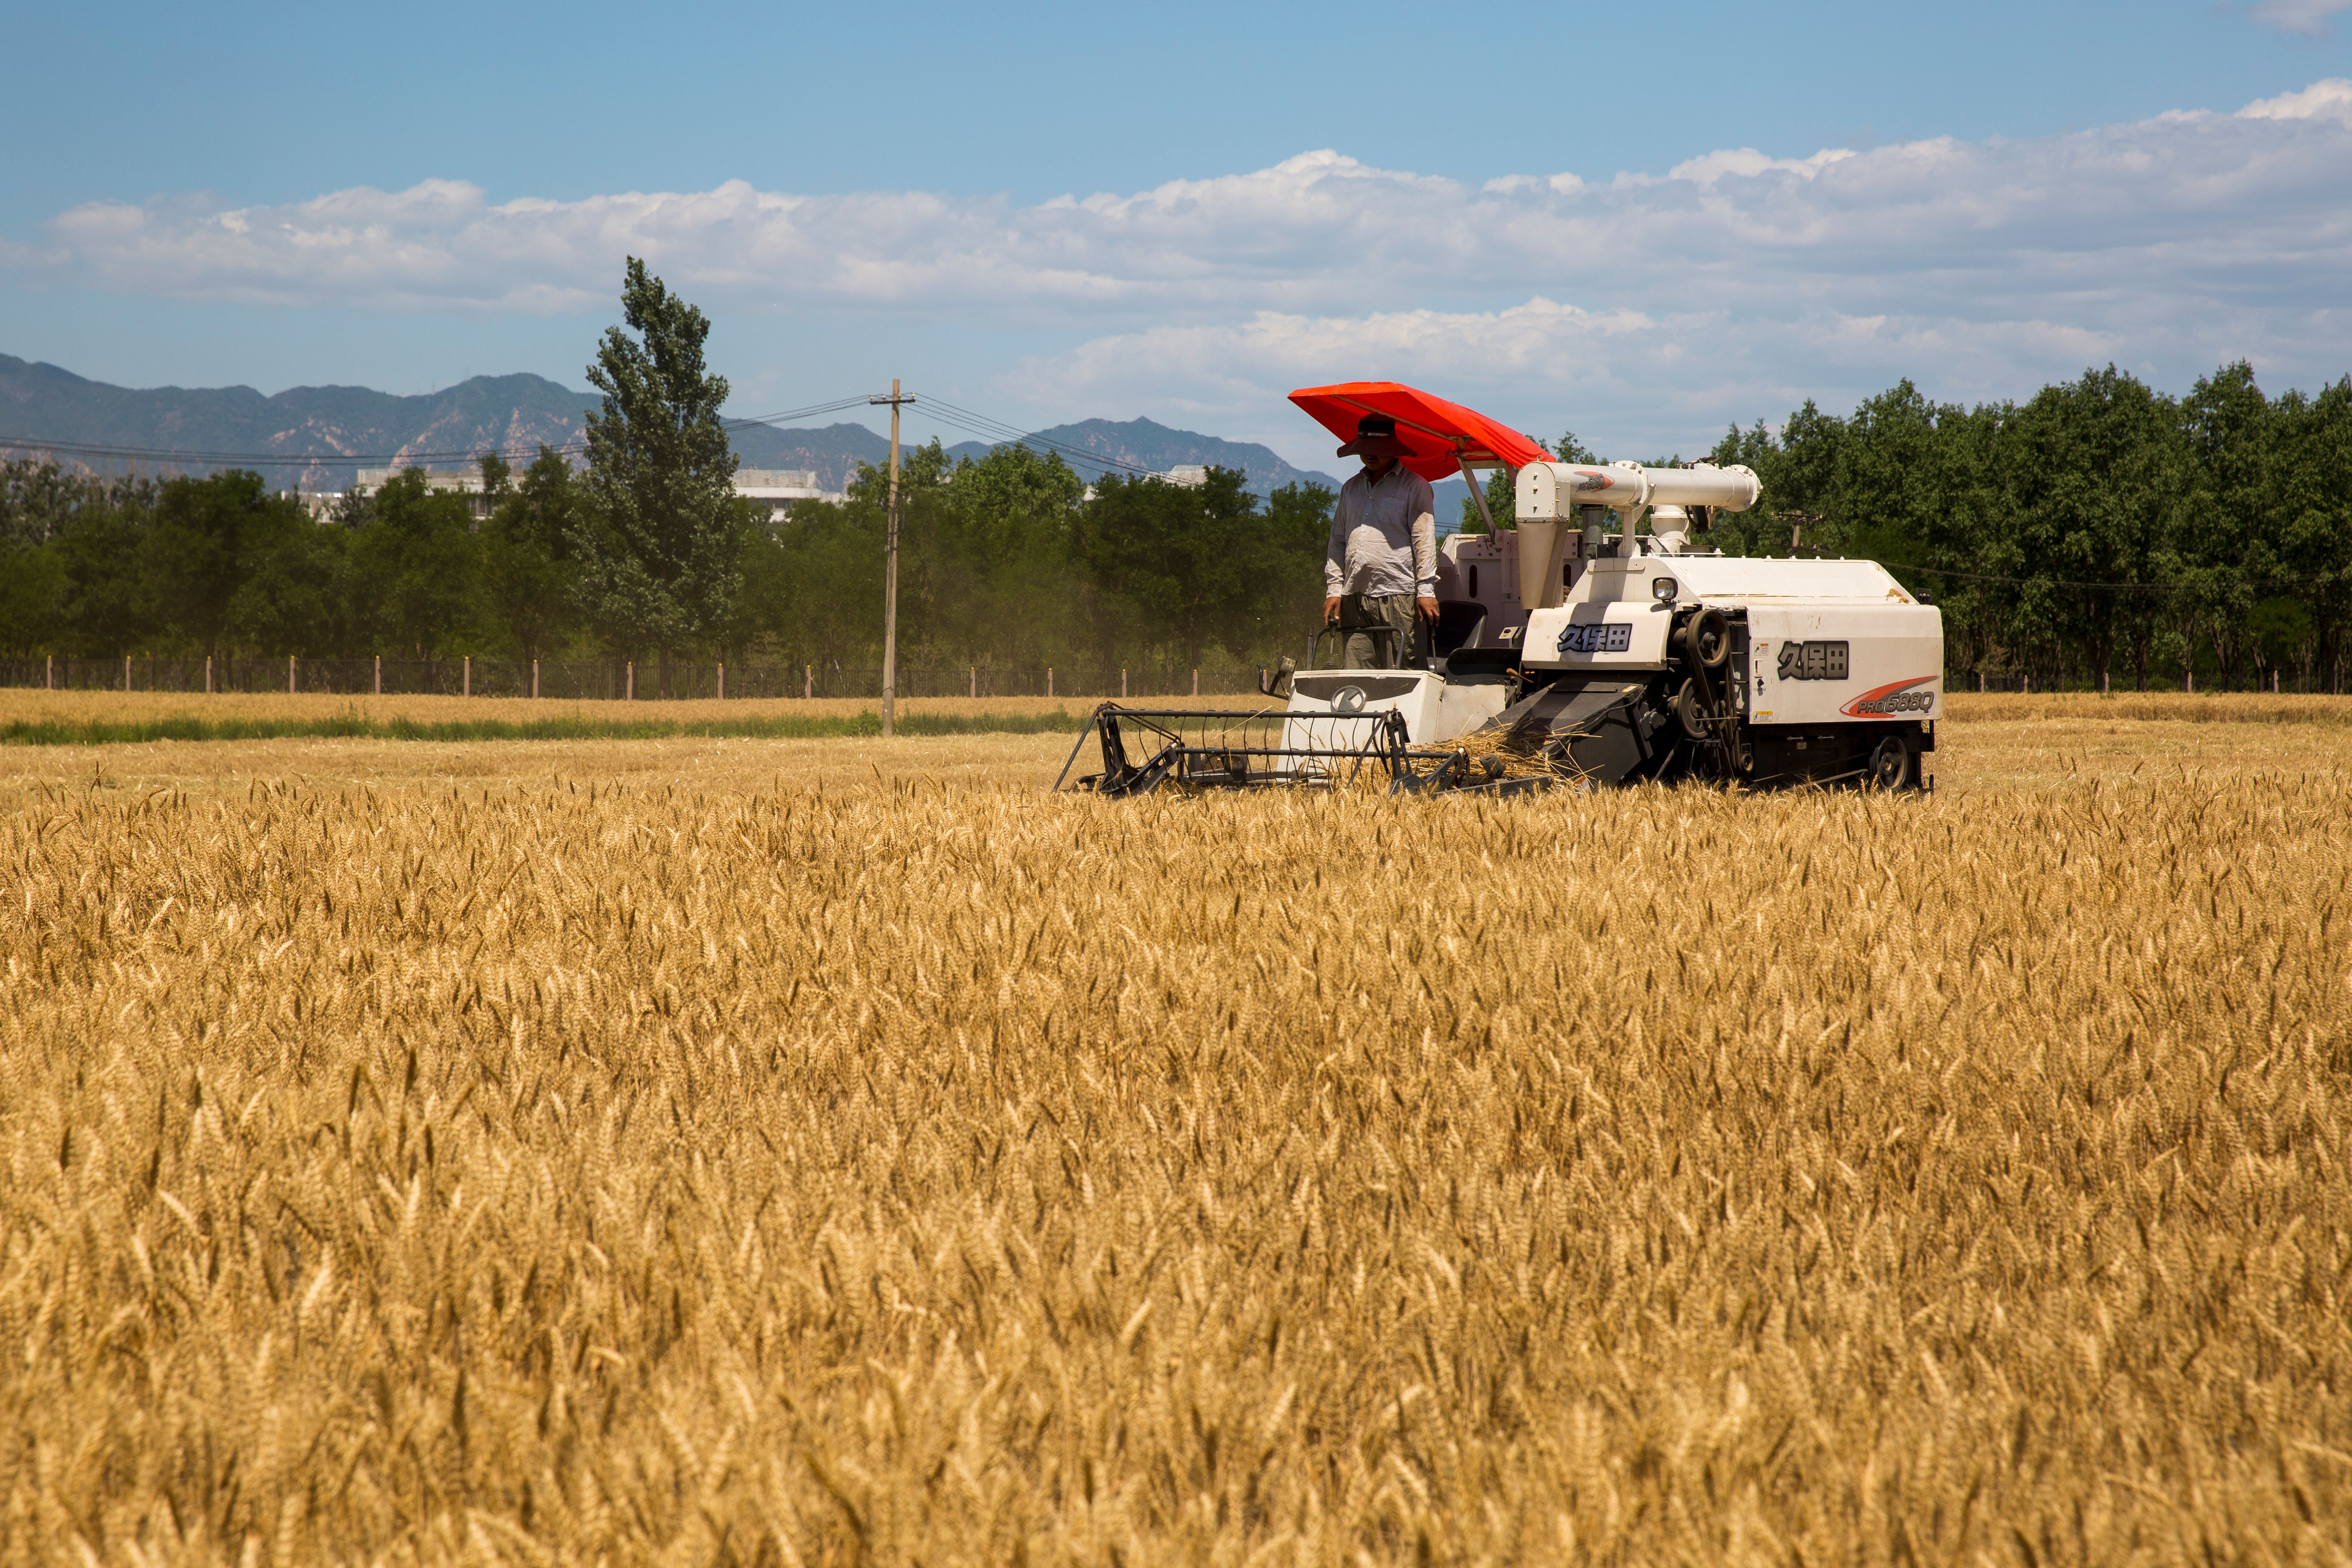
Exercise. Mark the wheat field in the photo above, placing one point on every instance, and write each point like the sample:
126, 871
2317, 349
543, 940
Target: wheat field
741, 1157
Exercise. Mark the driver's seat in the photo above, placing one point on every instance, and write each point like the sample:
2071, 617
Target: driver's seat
1460, 623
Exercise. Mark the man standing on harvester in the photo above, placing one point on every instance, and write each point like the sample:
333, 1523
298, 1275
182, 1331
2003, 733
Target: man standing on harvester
1379, 569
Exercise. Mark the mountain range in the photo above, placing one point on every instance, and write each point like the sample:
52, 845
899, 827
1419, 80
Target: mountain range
307, 437
318, 437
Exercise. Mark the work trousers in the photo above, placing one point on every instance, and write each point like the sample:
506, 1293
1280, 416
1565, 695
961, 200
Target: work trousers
1361, 613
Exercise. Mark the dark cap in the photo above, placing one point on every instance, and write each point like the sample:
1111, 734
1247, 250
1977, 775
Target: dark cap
1376, 436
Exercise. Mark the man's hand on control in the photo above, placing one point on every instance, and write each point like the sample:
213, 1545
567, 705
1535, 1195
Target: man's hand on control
1428, 608
1331, 611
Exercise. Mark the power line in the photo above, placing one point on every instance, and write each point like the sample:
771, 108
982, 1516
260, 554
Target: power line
998, 432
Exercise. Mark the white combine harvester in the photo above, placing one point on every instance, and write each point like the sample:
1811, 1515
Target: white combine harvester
1576, 648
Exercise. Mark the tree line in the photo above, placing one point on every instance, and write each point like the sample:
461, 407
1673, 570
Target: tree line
1005, 561
2098, 534
1008, 561
2098, 531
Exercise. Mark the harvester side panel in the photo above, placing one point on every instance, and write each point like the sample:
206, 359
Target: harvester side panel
1830, 664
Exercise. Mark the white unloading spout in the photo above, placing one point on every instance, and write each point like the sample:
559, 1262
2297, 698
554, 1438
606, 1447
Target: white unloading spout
1549, 495
1551, 492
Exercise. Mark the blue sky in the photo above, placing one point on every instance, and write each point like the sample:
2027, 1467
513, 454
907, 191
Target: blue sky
1640, 221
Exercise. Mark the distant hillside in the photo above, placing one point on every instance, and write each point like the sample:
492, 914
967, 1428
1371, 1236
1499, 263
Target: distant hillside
834, 451
1148, 444
317, 438
334, 427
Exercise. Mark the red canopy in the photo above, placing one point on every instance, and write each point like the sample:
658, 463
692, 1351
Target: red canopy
1442, 436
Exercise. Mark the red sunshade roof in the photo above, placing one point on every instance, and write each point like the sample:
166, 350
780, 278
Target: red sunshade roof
1441, 434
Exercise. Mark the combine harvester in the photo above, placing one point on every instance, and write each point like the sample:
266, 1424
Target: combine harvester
1573, 648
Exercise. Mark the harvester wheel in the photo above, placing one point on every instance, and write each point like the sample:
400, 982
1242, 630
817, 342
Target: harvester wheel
1890, 764
1707, 639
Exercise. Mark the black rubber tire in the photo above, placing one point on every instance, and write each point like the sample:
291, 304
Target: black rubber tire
1707, 639
1891, 766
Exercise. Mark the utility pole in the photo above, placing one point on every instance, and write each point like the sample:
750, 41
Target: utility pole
890, 575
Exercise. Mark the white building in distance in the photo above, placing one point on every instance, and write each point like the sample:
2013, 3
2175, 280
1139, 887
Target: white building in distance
777, 488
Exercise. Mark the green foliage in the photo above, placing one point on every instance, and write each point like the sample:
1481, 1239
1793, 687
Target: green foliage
105, 605
2099, 528
294, 599
2312, 513
416, 575
1501, 484
38, 500
32, 599
1191, 565
659, 558
2092, 474
530, 582
207, 536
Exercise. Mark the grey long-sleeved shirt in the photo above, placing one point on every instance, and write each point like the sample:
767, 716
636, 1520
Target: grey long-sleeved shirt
1383, 536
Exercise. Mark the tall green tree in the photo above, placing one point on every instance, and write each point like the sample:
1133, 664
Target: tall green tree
1296, 532
530, 579
295, 597
2312, 501
201, 549
2223, 563
659, 566
2095, 474
416, 569
1190, 563
32, 598
106, 610
995, 569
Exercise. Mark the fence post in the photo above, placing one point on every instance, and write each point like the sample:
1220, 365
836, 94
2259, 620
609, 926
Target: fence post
535, 681
468, 690
1122, 686
49, 674
126, 672
974, 670
208, 675
1049, 680
631, 688
808, 681
1196, 681
722, 680
290, 675
378, 675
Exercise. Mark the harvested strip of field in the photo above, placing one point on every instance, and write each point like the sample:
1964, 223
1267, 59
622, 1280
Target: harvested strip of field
2143, 706
36, 718
437, 1170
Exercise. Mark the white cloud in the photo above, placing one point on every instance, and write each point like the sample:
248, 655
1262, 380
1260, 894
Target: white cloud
2328, 100
1736, 280
2308, 17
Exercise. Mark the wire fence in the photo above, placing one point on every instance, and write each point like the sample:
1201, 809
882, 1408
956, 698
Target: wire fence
613, 680
606, 680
